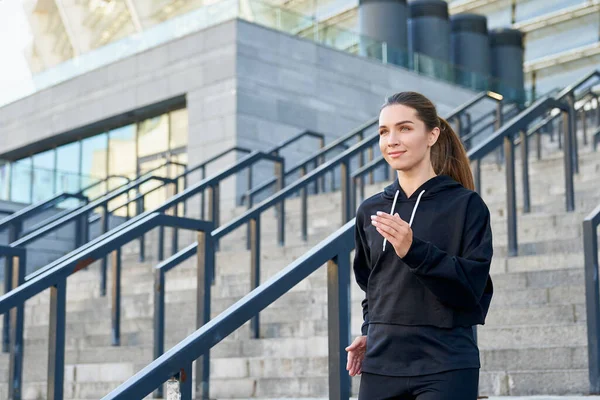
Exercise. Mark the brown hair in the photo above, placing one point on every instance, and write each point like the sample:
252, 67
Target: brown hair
448, 155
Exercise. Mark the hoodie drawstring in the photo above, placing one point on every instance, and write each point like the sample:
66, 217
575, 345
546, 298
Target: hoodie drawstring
414, 211
412, 217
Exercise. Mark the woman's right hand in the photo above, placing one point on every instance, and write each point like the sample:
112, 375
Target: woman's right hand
356, 355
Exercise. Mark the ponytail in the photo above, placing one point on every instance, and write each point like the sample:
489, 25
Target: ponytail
448, 155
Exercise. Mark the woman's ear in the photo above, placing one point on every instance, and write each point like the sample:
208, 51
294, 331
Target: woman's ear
433, 136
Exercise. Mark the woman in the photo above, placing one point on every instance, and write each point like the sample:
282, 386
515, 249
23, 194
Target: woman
424, 265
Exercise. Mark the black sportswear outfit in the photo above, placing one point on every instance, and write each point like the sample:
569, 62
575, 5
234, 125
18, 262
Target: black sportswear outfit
420, 310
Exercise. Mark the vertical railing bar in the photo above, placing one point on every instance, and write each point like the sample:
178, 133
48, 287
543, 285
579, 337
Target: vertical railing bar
204, 273
15, 376
56, 341
525, 171
568, 161
592, 302
511, 198
116, 297
304, 207
255, 270
159, 321
104, 263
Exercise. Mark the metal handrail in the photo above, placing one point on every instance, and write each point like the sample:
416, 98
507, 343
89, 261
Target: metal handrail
253, 192
481, 96
182, 196
318, 157
205, 278
15, 219
592, 296
333, 251
56, 280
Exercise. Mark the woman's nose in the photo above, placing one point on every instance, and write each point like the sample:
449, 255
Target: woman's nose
393, 139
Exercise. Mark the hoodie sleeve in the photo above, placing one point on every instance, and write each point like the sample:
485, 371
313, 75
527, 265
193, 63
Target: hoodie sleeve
457, 281
362, 268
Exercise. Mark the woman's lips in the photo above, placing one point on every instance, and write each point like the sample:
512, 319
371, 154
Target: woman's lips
396, 154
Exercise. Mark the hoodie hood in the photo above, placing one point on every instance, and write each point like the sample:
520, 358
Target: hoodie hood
432, 187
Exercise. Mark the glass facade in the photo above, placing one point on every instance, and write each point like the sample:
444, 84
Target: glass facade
122, 152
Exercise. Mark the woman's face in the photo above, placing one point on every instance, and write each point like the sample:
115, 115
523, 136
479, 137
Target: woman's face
404, 140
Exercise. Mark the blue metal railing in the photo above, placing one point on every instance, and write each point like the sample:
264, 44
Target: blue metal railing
14, 222
177, 362
592, 296
311, 161
56, 280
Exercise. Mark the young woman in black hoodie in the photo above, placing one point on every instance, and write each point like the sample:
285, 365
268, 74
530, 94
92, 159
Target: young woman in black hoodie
424, 265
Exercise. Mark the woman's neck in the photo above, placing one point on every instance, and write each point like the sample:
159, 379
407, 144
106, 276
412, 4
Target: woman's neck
411, 180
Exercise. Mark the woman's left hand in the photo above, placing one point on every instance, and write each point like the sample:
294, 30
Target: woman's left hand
397, 231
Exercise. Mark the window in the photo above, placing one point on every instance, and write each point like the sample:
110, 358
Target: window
43, 175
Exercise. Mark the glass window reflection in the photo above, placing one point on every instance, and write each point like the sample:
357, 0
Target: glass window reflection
67, 168
153, 135
20, 179
94, 153
178, 120
43, 175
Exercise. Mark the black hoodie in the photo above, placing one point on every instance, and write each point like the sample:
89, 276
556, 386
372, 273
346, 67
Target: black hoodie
419, 310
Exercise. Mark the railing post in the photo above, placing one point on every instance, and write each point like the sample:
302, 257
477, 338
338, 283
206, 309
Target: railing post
338, 315
371, 154
205, 275
175, 231
568, 161
525, 171
572, 128
56, 341
104, 266
159, 321
116, 297
304, 207
15, 383
511, 197
279, 173
255, 270
584, 125
477, 176
8, 281
140, 210
538, 144
561, 134
592, 303
161, 243
353, 198
248, 231
346, 191
361, 163
203, 195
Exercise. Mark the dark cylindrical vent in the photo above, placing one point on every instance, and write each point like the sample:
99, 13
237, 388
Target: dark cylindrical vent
506, 48
429, 30
470, 50
383, 21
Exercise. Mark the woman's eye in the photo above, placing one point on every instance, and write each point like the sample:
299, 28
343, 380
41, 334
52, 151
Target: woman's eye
404, 129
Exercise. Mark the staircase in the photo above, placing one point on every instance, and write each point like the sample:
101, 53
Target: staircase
534, 341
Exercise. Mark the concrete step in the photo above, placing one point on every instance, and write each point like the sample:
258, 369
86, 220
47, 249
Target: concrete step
532, 336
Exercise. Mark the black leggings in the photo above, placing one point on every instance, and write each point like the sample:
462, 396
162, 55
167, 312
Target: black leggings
459, 384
